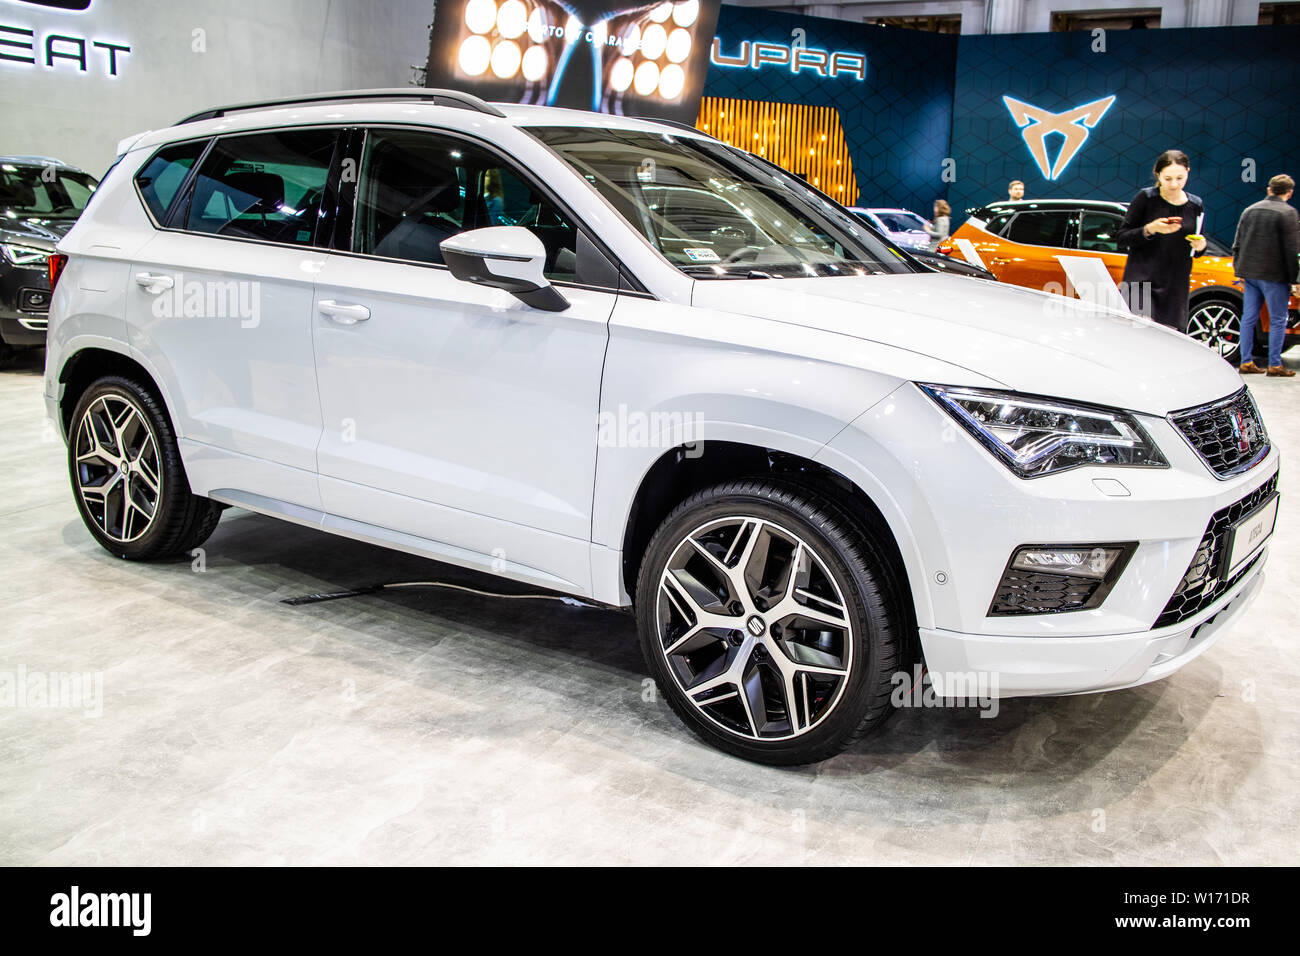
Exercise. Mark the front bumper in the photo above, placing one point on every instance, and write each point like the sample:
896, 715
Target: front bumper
958, 515
1046, 666
24, 304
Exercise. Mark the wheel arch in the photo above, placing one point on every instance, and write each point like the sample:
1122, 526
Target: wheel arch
92, 362
681, 471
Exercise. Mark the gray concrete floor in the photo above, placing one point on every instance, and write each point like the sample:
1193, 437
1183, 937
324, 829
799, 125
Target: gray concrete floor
439, 727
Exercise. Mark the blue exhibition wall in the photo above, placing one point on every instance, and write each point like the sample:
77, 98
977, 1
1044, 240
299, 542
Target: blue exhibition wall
897, 116
936, 115
1226, 96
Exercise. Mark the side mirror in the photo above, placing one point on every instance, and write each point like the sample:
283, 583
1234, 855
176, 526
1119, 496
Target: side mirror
504, 257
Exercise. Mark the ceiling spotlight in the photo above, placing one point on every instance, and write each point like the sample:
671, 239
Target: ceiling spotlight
672, 81
474, 55
654, 41
684, 14
679, 45
647, 77
480, 15
534, 63
620, 74
505, 59
661, 13
512, 19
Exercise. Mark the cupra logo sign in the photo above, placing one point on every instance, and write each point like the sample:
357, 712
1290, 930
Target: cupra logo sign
1073, 125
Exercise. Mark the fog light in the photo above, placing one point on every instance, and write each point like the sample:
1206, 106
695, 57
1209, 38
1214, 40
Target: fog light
1086, 562
1049, 578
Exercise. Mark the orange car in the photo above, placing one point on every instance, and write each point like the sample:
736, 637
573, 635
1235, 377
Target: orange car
1019, 242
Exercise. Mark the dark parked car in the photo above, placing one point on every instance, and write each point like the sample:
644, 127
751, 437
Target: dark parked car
40, 199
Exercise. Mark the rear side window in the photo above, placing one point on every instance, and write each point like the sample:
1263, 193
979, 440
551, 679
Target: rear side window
266, 186
1039, 228
1097, 231
999, 223
163, 176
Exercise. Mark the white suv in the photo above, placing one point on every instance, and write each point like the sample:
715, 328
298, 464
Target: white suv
618, 359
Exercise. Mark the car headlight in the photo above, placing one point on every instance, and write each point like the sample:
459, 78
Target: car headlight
1041, 436
24, 255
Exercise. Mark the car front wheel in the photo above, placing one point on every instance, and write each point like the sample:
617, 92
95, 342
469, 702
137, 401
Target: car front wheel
770, 622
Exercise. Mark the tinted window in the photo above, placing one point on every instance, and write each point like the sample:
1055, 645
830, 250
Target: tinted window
999, 223
1039, 228
163, 175
43, 192
1097, 231
417, 189
265, 186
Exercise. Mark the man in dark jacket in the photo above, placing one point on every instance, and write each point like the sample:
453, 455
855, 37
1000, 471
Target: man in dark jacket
1264, 256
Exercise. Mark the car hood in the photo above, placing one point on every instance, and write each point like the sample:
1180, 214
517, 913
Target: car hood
1030, 341
38, 233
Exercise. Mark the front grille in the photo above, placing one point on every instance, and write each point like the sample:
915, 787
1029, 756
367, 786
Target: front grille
1205, 581
1228, 435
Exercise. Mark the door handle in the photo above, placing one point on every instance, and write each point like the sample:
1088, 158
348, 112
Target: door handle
154, 284
343, 314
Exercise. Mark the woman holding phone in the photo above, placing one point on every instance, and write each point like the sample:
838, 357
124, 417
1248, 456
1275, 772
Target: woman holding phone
1161, 235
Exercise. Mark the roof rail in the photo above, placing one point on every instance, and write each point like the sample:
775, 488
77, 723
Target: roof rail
454, 98
685, 126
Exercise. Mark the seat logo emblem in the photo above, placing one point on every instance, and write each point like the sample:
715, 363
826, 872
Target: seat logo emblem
1241, 431
1037, 124
755, 625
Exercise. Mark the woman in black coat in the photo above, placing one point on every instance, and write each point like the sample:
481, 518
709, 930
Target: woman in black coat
1160, 233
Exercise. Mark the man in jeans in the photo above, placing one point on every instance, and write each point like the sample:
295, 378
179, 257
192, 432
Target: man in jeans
1264, 256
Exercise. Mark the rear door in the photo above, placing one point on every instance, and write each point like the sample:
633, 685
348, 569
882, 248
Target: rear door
221, 302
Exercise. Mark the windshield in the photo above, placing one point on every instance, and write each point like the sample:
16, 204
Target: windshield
901, 221
718, 213
43, 192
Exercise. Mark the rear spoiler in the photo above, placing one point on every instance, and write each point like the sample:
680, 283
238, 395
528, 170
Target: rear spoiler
124, 146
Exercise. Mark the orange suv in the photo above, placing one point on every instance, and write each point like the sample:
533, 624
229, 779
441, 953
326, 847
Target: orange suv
1019, 242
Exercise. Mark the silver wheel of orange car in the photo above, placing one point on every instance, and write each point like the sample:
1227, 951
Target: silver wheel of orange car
1216, 323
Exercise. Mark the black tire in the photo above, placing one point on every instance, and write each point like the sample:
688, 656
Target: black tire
843, 565
179, 520
1215, 321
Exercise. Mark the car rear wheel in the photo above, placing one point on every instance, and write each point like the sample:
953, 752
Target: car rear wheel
127, 476
770, 623
1216, 323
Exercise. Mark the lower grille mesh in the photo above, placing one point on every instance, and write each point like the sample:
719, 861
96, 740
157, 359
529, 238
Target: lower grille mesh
1205, 581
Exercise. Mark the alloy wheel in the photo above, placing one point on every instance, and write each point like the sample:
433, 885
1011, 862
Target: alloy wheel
1217, 325
117, 468
754, 628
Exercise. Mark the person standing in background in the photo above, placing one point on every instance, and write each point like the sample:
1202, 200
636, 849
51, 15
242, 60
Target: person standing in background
1015, 190
1160, 232
938, 231
1264, 257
